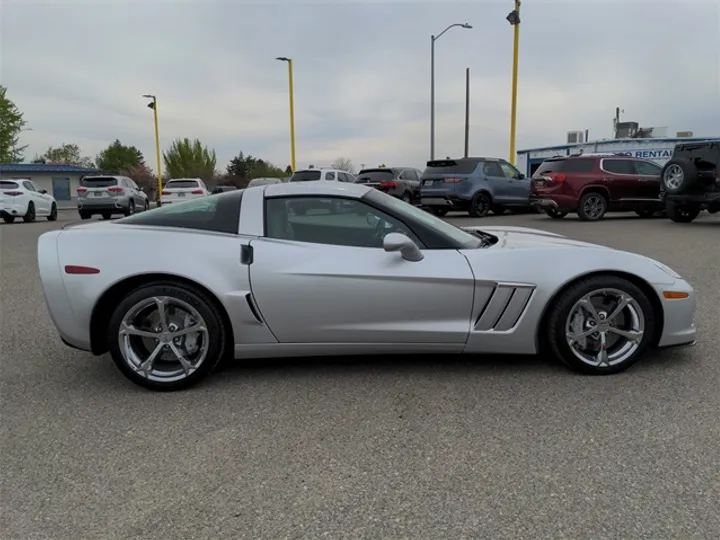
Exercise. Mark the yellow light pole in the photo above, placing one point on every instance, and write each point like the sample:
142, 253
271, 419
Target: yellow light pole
514, 19
292, 108
153, 105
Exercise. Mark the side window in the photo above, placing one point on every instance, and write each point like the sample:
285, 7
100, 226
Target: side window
646, 168
619, 166
329, 176
509, 171
29, 186
414, 175
491, 168
330, 220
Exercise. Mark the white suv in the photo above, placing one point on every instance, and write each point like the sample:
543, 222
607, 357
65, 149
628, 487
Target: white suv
183, 189
331, 175
21, 198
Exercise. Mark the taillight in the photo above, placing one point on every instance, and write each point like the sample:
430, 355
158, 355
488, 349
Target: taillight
115, 190
81, 190
388, 185
13, 193
556, 177
197, 192
452, 180
164, 193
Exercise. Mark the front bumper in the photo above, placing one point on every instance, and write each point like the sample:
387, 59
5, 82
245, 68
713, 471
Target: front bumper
679, 315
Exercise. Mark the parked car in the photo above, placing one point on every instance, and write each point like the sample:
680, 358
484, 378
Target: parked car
691, 181
387, 279
400, 182
264, 181
222, 189
477, 185
311, 175
595, 184
21, 198
183, 189
107, 195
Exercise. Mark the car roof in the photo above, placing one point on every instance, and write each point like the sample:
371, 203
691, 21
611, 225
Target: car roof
319, 187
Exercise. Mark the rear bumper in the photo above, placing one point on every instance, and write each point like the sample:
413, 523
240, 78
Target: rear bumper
443, 200
12, 210
98, 206
563, 204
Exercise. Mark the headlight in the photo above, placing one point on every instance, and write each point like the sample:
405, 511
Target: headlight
665, 268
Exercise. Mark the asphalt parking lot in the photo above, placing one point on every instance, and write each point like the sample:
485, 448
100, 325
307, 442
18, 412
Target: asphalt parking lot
492, 448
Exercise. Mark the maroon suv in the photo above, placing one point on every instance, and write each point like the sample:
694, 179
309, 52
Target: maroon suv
593, 185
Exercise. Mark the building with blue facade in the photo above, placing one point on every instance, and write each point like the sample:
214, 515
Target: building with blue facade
61, 181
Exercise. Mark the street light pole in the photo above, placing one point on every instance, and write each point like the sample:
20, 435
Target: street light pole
153, 105
292, 108
514, 19
433, 39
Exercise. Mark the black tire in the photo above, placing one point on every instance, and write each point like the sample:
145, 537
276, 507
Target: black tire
439, 211
53, 213
106, 215
85, 215
130, 209
217, 333
498, 210
480, 205
29, 216
679, 175
682, 213
557, 340
9, 219
555, 214
407, 197
593, 206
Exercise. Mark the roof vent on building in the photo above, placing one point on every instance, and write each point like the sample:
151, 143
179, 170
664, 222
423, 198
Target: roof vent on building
684, 134
575, 137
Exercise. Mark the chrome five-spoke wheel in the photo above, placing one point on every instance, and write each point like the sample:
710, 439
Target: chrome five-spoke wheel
601, 324
166, 336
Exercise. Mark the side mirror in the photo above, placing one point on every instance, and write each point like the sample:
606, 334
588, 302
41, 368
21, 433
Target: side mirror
521, 176
43, 191
407, 248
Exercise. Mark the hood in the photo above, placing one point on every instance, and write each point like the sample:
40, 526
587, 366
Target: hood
522, 237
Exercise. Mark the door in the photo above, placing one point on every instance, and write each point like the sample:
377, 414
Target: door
412, 180
519, 188
41, 205
649, 176
620, 179
61, 189
325, 278
500, 187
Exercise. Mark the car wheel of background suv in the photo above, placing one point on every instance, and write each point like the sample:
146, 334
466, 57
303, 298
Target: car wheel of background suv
593, 206
85, 215
439, 211
555, 214
480, 205
682, 213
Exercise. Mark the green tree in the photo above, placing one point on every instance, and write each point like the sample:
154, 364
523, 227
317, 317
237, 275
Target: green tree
249, 167
11, 125
189, 159
66, 154
118, 158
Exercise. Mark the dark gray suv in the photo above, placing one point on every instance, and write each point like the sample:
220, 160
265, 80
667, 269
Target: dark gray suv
476, 185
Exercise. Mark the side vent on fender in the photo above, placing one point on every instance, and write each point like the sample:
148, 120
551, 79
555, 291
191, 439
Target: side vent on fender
506, 305
253, 308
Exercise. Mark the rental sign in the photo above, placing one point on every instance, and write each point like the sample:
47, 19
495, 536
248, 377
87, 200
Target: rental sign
648, 153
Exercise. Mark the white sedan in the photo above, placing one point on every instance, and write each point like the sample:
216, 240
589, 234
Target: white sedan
21, 198
241, 275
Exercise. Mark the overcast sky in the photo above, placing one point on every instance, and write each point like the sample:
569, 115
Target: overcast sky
362, 73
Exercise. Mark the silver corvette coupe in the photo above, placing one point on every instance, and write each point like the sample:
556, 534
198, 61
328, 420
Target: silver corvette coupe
173, 291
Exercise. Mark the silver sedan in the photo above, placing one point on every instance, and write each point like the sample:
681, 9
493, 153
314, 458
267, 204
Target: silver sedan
241, 275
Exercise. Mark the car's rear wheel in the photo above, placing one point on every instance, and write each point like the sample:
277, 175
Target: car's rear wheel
593, 206
407, 198
53, 213
85, 215
106, 215
166, 336
9, 219
601, 325
438, 211
29, 216
480, 205
554, 213
681, 213
130, 209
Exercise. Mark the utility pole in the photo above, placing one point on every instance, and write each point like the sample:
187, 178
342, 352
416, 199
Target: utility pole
467, 111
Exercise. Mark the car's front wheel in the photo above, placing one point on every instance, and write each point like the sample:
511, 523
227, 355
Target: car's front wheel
29, 216
166, 336
682, 214
480, 205
601, 325
53, 213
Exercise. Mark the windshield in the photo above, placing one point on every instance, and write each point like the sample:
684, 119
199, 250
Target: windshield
305, 176
412, 213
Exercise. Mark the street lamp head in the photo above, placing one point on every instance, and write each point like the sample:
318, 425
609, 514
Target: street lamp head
466, 25
148, 96
513, 17
283, 58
